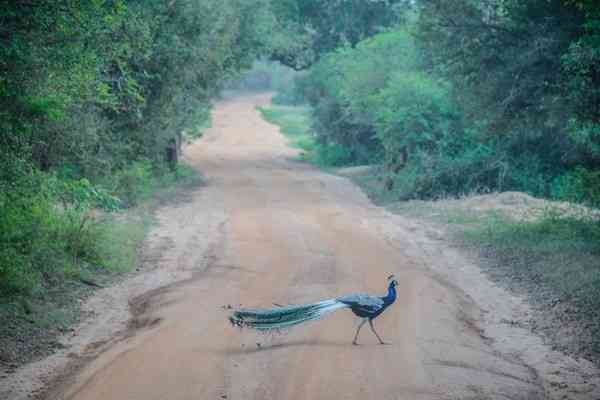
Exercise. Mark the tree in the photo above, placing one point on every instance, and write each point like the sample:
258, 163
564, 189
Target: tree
312, 28
581, 65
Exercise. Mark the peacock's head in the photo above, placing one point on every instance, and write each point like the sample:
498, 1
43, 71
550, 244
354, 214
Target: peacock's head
392, 281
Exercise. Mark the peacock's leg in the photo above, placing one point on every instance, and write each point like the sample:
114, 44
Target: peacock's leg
358, 330
375, 332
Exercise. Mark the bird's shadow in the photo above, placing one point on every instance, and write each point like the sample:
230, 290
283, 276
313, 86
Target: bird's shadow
251, 349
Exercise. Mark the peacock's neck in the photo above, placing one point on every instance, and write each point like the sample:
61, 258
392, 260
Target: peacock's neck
391, 296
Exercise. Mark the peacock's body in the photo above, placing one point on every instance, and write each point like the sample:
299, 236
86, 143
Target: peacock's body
362, 305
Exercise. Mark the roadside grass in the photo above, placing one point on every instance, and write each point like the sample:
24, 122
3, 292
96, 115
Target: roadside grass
31, 322
168, 186
197, 132
553, 260
556, 261
294, 123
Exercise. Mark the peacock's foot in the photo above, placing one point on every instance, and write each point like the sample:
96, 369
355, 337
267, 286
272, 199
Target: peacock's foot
355, 343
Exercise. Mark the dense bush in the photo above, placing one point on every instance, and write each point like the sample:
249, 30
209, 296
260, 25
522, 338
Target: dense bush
48, 231
579, 185
468, 96
91, 95
412, 113
316, 27
342, 86
375, 104
526, 75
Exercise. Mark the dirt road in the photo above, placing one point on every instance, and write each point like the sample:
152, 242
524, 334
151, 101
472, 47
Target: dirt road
292, 234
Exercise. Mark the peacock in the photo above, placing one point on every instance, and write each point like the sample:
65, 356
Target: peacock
363, 306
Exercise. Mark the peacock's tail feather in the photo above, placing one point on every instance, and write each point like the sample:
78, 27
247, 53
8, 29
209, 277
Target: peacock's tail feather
283, 317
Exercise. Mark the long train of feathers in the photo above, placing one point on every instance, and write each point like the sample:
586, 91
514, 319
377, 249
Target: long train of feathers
283, 317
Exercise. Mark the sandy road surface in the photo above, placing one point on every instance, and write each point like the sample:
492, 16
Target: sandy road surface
293, 234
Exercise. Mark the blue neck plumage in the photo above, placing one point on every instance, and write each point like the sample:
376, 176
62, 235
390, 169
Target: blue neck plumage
391, 296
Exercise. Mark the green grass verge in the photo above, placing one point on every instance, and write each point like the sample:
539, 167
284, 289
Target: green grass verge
197, 132
556, 261
31, 321
294, 123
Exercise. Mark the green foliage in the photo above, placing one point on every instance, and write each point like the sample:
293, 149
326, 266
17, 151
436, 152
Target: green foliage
294, 122
139, 182
91, 95
134, 183
581, 64
82, 195
204, 122
316, 27
331, 155
53, 229
101, 84
117, 244
586, 136
526, 75
413, 113
375, 104
579, 185
47, 232
343, 88
454, 169
469, 96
